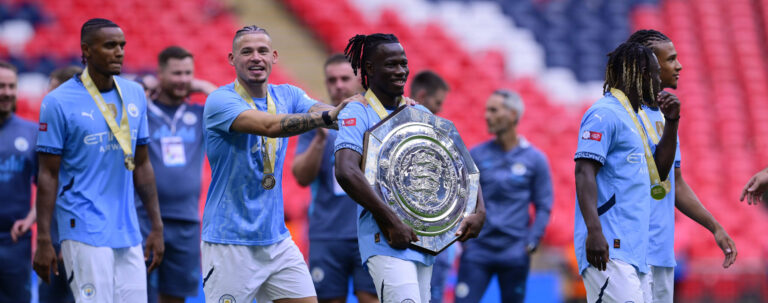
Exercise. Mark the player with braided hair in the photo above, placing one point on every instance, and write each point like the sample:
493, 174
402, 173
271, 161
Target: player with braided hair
617, 174
400, 274
661, 253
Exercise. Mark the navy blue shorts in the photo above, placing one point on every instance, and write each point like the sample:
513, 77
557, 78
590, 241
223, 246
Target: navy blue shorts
58, 291
179, 274
332, 263
14, 273
474, 277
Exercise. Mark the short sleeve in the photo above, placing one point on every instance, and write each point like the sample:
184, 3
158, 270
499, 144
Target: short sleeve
595, 135
302, 101
352, 127
52, 130
305, 140
221, 109
143, 138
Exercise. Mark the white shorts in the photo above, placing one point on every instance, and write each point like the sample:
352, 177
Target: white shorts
400, 281
242, 273
105, 274
662, 284
620, 282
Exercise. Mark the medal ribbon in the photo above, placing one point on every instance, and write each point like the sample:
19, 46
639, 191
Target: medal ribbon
655, 138
171, 122
270, 154
374, 102
653, 171
122, 132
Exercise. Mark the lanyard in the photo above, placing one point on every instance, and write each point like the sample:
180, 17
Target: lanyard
374, 102
122, 132
269, 155
655, 138
168, 120
657, 191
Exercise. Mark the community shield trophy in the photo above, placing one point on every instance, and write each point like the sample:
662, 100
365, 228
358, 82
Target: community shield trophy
421, 168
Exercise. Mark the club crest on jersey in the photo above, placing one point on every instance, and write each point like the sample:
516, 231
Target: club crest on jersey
227, 299
590, 135
43, 127
21, 144
133, 110
189, 118
349, 122
88, 291
519, 169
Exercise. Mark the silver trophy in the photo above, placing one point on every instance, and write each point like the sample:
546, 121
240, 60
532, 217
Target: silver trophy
419, 165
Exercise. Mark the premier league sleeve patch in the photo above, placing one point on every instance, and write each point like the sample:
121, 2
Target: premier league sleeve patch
349, 122
590, 135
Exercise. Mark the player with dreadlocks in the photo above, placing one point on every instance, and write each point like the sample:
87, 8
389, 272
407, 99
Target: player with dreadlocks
661, 254
93, 155
617, 174
400, 274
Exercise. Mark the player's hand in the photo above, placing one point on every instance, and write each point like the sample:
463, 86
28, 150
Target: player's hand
669, 105
597, 250
45, 260
334, 113
151, 87
156, 246
202, 86
470, 227
20, 227
727, 245
755, 188
358, 98
399, 235
409, 101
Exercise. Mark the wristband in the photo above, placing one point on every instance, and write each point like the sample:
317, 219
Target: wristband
327, 118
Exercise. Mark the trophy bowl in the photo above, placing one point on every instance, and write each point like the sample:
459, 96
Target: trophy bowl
421, 168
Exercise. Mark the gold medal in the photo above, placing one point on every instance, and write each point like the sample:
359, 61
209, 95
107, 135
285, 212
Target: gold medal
129, 163
658, 192
268, 182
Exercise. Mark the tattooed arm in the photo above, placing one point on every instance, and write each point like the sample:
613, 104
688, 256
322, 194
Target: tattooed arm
286, 125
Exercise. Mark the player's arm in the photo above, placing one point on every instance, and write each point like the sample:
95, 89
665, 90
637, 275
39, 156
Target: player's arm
665, 150
47, 184
689, 204
755, 187
351, 179
21, 226
586, 193
307, 164
144, 182
542, 202
285, 125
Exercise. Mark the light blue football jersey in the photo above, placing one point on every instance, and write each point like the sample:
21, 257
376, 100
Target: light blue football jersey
238, 210
95, 196
608, 135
